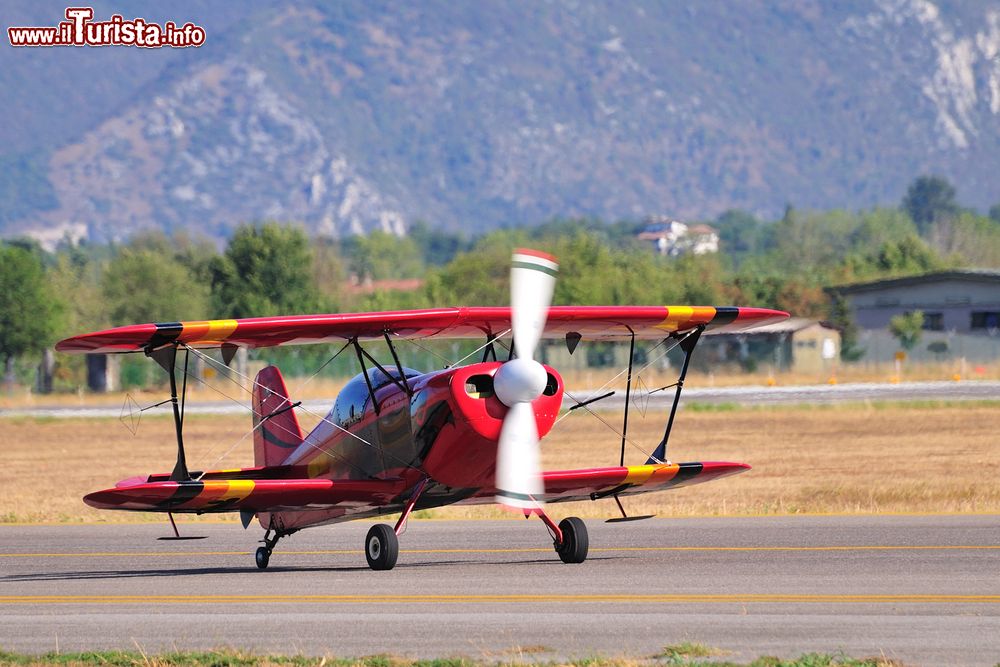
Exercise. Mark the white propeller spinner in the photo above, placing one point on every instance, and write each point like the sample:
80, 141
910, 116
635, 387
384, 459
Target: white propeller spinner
521, 380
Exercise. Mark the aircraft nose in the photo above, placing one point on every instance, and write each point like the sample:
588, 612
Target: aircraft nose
464, 452
475, 398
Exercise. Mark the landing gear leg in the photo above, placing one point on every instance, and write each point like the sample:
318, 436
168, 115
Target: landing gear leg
414, 497
569, 538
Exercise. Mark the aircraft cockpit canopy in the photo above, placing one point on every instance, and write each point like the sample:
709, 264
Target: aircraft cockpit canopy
354, 397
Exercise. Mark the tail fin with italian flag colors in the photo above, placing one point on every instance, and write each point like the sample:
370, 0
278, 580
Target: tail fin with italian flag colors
276, 428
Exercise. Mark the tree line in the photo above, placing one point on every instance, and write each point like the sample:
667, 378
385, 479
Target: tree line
276, 268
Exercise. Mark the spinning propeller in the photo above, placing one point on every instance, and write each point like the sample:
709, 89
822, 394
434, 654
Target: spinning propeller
522, 379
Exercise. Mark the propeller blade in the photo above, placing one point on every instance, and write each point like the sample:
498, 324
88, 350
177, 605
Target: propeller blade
532, 281
520, 381
519, 469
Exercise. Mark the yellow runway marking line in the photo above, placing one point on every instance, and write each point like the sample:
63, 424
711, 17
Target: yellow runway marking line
338, 552
521, 599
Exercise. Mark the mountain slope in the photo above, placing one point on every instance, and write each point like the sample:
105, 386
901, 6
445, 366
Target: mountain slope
362, 115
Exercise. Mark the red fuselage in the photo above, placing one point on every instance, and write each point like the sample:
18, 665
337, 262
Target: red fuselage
445, 429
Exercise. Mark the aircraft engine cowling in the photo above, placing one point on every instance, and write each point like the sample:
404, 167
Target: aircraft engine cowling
465, 455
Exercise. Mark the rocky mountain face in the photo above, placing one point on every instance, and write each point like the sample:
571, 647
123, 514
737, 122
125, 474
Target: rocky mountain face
354, 116
219, 146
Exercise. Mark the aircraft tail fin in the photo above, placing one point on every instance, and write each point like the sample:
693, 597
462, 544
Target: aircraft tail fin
276, 428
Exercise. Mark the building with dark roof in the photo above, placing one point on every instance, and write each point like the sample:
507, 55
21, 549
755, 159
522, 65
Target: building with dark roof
961, 312
961, 301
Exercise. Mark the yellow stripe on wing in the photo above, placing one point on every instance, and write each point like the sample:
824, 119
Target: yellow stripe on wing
676, 316
686, 317
239, 489
679, 317
229, 489
208, 331
639, 475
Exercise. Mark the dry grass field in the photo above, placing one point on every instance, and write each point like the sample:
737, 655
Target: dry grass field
849, 458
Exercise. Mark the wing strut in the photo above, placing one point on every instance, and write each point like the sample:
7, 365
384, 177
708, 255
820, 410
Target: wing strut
628, 395
687, 343
399, 366
489, 350
167, 358
400, 382
364, 371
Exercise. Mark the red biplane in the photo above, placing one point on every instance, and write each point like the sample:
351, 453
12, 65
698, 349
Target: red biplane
398, 440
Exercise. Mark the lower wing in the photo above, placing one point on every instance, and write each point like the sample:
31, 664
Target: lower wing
594, 483
566, 485
216, 494
257, 495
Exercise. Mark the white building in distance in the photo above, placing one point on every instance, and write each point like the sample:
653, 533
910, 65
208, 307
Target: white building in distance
673, 238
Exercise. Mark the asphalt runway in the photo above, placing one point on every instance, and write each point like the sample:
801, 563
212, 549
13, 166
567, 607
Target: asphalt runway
921, 589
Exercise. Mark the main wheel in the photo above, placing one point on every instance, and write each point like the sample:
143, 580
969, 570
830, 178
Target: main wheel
381, 547
263, 555
575, 543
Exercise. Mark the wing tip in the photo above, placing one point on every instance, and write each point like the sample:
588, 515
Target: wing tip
724, 467
101, 500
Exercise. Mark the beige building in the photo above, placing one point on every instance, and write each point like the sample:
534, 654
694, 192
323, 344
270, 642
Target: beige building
798, 343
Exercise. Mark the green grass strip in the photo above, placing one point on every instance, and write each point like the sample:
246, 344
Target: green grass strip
684, 654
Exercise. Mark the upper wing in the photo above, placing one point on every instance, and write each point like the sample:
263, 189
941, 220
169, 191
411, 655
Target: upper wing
592, 322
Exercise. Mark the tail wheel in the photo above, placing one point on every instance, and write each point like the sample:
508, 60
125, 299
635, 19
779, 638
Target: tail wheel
575, 542
381, 547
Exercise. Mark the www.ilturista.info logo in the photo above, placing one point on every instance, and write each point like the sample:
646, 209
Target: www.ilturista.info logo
79, 29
